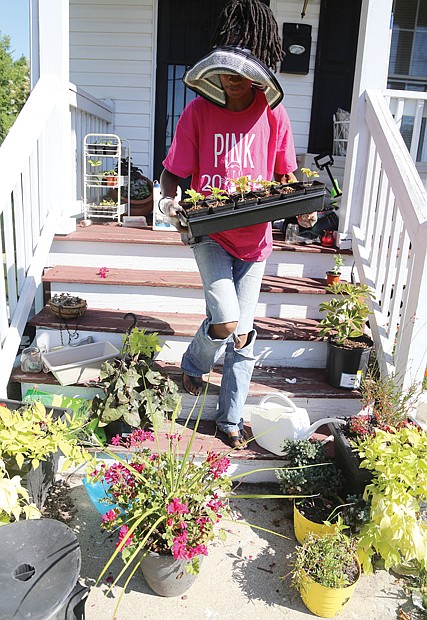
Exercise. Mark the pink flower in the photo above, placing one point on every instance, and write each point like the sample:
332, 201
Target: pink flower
109, 516
116, 441
177, 507
218, 465
102, 273
122, 533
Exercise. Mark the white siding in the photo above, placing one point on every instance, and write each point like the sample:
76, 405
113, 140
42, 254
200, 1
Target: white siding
298, 88
112, 46
111, 56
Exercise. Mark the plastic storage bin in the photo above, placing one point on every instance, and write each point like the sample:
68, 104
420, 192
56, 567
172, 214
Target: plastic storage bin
79, 364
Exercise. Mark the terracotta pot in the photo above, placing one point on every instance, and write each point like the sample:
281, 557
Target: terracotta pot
332, 277
111, 181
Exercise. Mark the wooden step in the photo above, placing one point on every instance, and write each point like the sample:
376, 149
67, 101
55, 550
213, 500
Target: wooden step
158, 291
280, 342
305, 386
174, 324
111, 245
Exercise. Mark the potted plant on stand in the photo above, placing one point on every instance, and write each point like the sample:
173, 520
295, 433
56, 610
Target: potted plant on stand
140, 192
344, 323
325, 571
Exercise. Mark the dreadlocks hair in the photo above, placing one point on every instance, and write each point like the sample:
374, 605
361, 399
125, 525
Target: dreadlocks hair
250, 24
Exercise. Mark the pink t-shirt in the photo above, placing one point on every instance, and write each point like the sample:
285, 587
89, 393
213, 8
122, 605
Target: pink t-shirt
214, 145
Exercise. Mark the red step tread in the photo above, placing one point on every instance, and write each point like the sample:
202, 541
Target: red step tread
173, 279
310, 382
113, 233
176, 324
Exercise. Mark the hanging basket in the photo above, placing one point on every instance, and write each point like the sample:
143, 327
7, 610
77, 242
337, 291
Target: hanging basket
67, 307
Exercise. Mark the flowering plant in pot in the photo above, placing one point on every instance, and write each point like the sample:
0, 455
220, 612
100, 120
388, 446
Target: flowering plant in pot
344, 323
325, 571
164, 505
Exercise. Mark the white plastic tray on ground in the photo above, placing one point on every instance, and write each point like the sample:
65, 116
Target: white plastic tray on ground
79, 364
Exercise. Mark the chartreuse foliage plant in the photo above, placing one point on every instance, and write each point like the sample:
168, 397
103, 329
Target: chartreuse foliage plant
395, 530
14, 499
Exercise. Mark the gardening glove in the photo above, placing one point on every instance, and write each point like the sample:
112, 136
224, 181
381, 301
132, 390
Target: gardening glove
176, 215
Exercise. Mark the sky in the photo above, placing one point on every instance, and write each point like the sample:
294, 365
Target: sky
14, 21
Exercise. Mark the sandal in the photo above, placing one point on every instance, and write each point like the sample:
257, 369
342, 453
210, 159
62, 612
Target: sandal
192, 385
235, 441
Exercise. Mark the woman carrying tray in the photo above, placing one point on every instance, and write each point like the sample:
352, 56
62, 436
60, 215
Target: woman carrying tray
236, 128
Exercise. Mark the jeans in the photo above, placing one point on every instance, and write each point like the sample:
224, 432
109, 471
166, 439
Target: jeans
231, 288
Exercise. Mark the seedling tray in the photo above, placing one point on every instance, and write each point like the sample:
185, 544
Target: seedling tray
239, 214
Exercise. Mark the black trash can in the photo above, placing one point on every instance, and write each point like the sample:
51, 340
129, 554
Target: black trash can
39, 570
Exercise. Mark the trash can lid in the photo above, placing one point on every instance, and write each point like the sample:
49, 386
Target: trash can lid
39, 567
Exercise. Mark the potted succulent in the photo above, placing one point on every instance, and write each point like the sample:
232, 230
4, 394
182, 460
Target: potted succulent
334, 274
325, 571
67, 306
136, 395
31, 440
344, 323
313, 476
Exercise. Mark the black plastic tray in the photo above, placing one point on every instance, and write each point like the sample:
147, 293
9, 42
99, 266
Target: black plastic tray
240, 215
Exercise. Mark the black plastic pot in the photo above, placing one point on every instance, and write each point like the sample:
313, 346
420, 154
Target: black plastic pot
345, 367
118, 427
348, 461
40, 569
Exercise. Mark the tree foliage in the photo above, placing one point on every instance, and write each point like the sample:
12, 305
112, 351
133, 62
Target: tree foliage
14, 86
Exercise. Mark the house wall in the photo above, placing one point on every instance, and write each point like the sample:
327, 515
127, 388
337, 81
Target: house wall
112, 56
112, 51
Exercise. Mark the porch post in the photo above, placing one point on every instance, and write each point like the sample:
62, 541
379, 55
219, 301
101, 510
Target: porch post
53, 55
370, 72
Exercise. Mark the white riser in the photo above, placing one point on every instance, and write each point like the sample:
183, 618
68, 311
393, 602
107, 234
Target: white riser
122, 256
180, 258
294, 354
159, 299
317, 408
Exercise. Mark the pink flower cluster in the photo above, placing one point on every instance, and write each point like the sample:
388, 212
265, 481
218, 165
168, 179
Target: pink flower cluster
181, 551
218, 464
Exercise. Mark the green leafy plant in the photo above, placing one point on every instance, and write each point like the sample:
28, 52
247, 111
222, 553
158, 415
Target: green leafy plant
303, 477
339, 262
242, 184
218, 194
95, 163
309, 174
395, 530
134, 391
193, 197
268, 185
329, 560
347, 313
140, 187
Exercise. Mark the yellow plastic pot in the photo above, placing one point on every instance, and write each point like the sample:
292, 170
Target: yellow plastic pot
326, 602
303, 526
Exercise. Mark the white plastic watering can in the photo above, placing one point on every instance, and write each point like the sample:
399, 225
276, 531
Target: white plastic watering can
273, 422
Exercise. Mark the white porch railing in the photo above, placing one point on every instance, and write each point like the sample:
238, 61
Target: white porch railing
409, 110
33, 202
390, 244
